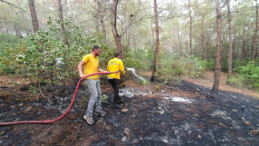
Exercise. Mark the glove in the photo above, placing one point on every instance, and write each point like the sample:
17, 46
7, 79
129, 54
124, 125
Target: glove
125, 68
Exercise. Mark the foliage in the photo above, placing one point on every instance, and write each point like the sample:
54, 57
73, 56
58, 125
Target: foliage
44, 57
8, 40
249, 74
8, 53
210, 65
139, 59
48, 58
235, 65
236, 82
174, 67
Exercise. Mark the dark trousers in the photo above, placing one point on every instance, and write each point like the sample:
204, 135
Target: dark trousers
115, 85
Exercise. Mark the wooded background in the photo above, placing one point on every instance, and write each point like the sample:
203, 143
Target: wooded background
169, 38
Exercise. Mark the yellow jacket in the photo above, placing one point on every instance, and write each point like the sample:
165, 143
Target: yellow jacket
115, 64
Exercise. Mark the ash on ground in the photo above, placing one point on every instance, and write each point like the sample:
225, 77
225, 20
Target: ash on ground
148, 117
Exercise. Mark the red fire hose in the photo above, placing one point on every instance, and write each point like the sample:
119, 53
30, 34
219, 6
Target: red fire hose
70, 106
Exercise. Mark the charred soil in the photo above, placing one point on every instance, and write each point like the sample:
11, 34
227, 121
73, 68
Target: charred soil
182, 114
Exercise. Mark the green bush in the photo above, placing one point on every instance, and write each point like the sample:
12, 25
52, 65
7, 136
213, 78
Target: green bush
8, 50
236, 82
140, 59
8, 40
210, 65
44, 57
174, 67
250, 75
237, 63
46, 46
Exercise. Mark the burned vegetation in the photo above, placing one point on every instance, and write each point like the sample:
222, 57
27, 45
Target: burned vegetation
183, 114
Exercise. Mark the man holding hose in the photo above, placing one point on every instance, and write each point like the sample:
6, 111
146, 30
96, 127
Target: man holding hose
114, 65
91, 65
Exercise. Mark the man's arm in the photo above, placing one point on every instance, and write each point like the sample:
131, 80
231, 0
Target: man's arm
80, 68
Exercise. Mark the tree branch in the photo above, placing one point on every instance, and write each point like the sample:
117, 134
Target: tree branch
12, 5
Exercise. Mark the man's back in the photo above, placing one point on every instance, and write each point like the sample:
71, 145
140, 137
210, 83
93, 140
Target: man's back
114, 65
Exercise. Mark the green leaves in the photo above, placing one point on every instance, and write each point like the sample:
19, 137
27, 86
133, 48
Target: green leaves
250, 75
44, 57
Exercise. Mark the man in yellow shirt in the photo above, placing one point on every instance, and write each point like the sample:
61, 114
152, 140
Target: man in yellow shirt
91, 65
114, 65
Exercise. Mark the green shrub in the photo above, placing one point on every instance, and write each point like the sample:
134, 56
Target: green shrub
46, 46
174, 67
250, 75
140, 60
44, 57
236, 82
8, 50
237, 63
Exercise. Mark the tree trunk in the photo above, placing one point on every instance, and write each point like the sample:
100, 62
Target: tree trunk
180, 43
17, 31
237, 44
157, 42
128, 40
116, 36
243, 55
217, 71
101, 17
202, 39
6, 26
61, 17
230, 54
34, 18
234, 48
97, 20
255, 33
134, 38
190, 15
153, 37
24, 19
208, 49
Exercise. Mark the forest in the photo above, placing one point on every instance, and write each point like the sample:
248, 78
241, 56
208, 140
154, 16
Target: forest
202, 50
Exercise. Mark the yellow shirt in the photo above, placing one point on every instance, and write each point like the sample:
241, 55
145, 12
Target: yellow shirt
115, 64
91, 65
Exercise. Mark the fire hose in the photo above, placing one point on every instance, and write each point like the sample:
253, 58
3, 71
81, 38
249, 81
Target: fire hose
70, 106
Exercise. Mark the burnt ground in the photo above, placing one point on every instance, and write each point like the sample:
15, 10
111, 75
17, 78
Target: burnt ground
183, 114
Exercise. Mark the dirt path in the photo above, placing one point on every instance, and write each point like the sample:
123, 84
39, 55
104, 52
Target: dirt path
208, 80
185, 114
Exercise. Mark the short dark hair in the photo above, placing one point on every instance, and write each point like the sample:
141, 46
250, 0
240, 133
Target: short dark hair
116, 54
95, 47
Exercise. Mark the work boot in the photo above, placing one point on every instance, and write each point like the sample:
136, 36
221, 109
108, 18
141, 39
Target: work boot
117, 106
89, 119
101, 113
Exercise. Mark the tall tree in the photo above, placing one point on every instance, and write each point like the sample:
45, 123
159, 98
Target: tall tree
243, 54
23, 17
202, 38
190, 15
157, 42
34, 18
230, 54
125, 26
255, 32
6, 26
61, 17
115, 33
217, 70
100, 13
